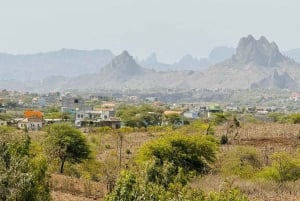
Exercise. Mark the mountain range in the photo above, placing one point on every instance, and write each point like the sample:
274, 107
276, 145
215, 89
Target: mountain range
188, 62
65, 62
253, 64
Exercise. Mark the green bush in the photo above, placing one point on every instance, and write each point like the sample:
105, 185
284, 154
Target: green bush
22, 170
175, 155
284, 168
224, 139
107, 146
244, 162
295, 118
131, 187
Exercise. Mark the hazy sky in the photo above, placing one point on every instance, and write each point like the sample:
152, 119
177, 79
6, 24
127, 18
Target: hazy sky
171, 28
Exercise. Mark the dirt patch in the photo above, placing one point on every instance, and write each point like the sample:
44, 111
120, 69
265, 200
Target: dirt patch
274, 141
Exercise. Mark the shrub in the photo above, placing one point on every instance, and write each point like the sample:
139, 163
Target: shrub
23, 172
107, 146
244, 162
284, 168
224, 139
128, 151
175, 155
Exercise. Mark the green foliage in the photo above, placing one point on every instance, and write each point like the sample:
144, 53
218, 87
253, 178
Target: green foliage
23, 172
295, 118
219, 118
224, 139
131, 187
66, 143
175, 155
284, 168
227, 195
139, 116
52, 113
249, 118
125, 189
128, 151
279, 117
156, 129
285, 118
242, 161
174, 119
104, 129
124, 130
5, 117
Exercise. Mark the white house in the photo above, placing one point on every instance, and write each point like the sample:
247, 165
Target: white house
32, 124
94, 117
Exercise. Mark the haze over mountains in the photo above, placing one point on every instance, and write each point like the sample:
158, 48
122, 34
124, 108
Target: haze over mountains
254, 64
254, 61
188, 62
65, 62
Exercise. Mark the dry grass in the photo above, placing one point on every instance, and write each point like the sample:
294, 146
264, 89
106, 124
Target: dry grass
59, 196
255, 190
267, 137
79, 188
273, 136
69, 189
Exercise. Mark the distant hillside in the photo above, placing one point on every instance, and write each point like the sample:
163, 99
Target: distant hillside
124, 73
219, 54
189, 62
276, 81
254, 60
294, 54
256, 64
65, 62
151, 62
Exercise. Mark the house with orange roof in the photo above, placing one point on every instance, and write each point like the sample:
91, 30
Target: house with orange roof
32, 121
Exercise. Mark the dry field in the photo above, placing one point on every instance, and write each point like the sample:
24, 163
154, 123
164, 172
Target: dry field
68, 188
267, 137
273, 136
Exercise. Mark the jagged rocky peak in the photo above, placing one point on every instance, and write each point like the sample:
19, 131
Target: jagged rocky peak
123, 58
124, 64
260, 52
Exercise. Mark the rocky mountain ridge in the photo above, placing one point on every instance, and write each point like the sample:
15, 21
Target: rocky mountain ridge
256, 64
189, 62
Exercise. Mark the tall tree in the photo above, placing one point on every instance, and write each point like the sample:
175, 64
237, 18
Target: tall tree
67, 144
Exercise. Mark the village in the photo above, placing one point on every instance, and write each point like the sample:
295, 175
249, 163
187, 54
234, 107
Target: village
32, 112
117, 129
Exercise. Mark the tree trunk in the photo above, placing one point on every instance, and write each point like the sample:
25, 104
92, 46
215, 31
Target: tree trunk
62, 166
120, 154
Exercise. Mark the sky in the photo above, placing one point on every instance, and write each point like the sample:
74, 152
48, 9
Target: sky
171, 28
